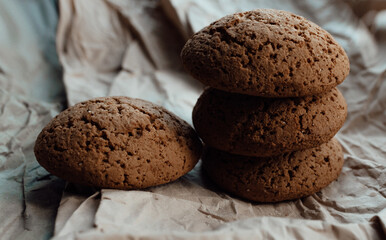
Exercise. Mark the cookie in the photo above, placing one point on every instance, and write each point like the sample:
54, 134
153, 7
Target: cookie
273, 179
256, 126
118, 142
266, 52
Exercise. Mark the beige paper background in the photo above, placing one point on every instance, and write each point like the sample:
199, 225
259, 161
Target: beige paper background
131, 48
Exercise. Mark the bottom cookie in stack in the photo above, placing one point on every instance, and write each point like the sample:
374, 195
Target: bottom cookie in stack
278, 178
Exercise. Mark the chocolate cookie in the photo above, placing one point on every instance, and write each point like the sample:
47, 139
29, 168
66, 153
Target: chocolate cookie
266, 52
272, 179
256, 126
118, 142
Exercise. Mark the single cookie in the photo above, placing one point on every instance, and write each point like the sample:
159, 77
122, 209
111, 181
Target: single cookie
272, 179
118, 142
256, 126
266, 52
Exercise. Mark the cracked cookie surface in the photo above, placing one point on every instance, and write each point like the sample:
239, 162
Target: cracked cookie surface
271, 179
266, 52
118, 142
257, 126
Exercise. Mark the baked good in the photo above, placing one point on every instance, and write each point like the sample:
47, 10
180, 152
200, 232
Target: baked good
118, 142
257, 126
272, 179
266, 52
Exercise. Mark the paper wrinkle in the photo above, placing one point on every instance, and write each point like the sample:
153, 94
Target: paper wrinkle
30, 95
131, 48
26, 187
88, 44
81, 216
259, 228
72, 198
158, 207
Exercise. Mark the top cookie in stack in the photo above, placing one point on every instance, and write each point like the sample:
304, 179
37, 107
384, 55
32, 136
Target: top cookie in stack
273, 107
268, 53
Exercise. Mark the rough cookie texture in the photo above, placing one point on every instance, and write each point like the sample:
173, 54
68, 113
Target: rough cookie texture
272, 179
266, 52
257, 126
118, 142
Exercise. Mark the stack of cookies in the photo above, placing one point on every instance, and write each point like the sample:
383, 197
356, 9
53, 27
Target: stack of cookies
272, 108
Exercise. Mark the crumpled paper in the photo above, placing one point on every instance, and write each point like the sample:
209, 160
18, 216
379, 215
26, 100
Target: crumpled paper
31, 94
131, 48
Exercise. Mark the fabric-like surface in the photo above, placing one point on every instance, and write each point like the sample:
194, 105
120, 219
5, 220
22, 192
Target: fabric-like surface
131, 48
31, 93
